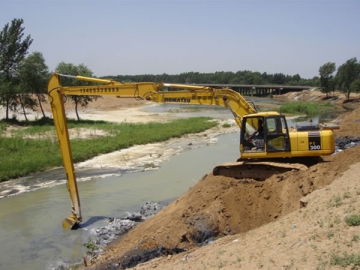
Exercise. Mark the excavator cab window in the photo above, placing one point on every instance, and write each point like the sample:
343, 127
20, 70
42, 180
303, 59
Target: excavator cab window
277, 135
254, 134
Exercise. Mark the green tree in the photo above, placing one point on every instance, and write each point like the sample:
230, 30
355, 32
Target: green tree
332, 84
296, 78
355, 86
325, 72
278, 78
70, 69
222, 77
33, 75
13, 49
347, 74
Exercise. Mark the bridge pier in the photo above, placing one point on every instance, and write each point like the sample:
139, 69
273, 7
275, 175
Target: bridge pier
260, 92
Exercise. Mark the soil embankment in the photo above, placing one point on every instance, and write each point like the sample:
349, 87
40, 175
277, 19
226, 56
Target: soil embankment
219, 206
295, 219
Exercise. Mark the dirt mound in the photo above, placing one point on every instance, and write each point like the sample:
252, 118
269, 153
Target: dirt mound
349, 124
218, 206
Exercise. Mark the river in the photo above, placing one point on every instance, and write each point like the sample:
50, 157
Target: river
30, 223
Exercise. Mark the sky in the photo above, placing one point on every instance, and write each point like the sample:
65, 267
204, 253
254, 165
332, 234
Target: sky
133, 37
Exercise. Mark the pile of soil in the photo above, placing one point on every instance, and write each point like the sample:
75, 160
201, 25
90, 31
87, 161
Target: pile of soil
219, 206
349, 124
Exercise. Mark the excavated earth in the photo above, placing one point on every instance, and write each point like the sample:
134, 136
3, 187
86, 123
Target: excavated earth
218, 206
213, 225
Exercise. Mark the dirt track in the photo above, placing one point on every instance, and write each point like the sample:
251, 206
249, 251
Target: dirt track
251, 224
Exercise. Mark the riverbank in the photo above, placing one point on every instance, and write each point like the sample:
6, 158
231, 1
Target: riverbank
296, 220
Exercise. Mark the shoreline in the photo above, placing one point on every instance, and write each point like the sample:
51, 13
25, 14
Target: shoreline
130, 160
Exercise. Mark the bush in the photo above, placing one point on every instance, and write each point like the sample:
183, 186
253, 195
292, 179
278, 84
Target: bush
353, 220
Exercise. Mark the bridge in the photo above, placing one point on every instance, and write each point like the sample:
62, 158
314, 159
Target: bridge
260, 90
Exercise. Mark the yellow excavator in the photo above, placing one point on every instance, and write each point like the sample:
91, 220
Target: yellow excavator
266, 142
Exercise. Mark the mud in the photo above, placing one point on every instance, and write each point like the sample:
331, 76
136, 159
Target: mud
134, 258
346, 143
118, 227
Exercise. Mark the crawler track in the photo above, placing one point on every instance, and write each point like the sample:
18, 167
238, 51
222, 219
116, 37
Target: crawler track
258, 170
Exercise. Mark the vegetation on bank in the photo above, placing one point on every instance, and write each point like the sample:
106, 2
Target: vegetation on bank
36, 148
303, 107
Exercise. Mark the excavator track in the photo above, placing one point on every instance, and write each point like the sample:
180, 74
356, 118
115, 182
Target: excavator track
258, 170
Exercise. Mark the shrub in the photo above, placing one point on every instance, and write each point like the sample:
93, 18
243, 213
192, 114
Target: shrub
353, 220
345, 260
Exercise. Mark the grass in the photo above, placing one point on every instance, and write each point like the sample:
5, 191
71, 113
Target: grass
303, 107
21, 156
91, 246
226, 125
345, 260
353, 220
356, 238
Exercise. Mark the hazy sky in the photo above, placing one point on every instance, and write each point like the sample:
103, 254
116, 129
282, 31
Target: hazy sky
153, 37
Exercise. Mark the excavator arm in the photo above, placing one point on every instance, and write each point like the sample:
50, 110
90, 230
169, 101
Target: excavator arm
178, 94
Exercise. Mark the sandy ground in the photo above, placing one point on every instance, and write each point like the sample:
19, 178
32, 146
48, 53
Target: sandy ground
306, 238
294, 220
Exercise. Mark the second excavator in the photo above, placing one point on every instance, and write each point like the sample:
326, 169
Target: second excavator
267, 145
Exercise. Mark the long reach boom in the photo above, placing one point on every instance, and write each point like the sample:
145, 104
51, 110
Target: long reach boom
156, 92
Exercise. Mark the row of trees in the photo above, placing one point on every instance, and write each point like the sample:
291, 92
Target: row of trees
24, 77
240, 77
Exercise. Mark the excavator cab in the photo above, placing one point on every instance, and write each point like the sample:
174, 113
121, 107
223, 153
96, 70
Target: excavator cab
262, 134
253, 134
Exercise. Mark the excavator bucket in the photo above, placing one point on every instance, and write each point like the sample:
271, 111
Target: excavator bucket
70, 222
